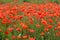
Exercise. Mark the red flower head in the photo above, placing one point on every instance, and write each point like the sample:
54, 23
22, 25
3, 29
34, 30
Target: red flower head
10, 29
42, 33
18, 29
31, 38
24, 26
44, 22
13, 37
31, 30
6, 32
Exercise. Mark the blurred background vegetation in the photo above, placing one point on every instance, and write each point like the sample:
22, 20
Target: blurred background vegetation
31, 1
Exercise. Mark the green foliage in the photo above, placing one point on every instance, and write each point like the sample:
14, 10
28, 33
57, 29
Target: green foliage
31, 1
5, 1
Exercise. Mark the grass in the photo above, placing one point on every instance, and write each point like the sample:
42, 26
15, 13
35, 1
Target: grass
31, 1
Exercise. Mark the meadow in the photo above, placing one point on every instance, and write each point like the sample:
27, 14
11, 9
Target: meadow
29, 19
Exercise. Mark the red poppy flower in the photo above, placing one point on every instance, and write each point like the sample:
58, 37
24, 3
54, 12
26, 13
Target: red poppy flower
18, 29
31, 38
46, 29
42, 33
6, 32
0, 30
13, 37
18, 37
31, 30
44, 22
37, 25
25, 36
24, 26
10, 29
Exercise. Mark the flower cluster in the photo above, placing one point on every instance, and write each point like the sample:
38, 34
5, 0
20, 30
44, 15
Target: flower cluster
30, 21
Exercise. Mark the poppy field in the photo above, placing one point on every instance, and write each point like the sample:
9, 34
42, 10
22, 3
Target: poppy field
29, 21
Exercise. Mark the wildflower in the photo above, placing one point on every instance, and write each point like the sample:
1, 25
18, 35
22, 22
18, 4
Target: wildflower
18, 36
6, 32
0, 30
42, 33
4, 21
50, 20
31, 38
44, 22
9, 21
37, 25
57, 33
46, 29
24, 26
18, 29
49, 26
10, 29
55, 28
25, 36
13, 37
31, 30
